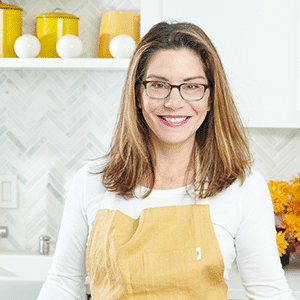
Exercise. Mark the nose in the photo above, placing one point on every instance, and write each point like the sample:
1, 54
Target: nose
174, 100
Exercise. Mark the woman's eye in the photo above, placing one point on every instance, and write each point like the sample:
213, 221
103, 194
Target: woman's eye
158, 85
192, 86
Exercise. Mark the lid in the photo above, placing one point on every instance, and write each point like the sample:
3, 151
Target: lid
59, 14
9, 6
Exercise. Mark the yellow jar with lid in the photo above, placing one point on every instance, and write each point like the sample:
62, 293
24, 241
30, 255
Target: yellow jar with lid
114, 23
51, 27
10, 28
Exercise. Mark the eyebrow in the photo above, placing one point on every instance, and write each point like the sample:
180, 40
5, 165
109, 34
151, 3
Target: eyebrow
166, 79
156, 76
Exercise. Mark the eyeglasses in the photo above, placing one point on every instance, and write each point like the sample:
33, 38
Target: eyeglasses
188, 91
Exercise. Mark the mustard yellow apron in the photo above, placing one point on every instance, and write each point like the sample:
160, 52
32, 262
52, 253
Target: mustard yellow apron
167, 253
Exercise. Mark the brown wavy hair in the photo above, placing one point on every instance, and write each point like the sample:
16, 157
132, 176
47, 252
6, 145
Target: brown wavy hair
221, 153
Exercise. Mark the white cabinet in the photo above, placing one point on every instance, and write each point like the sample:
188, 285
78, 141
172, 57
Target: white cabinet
258, 42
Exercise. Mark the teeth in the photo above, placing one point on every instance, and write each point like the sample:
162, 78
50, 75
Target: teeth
174, 120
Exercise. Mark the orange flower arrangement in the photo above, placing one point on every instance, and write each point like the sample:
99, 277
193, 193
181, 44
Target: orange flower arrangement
286, 203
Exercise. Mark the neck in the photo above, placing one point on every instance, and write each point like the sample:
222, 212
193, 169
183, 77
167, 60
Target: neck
173, 168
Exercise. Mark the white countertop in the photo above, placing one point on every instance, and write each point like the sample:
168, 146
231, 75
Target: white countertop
236, 290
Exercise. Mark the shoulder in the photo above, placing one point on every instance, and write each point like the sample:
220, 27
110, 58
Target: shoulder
254, 195
89, 179
89, 170
254, 179
238, 197
255, 189
254, 182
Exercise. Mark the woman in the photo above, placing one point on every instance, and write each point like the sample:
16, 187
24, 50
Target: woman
175, 201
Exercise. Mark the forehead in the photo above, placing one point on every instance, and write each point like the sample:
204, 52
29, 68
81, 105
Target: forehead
175, 63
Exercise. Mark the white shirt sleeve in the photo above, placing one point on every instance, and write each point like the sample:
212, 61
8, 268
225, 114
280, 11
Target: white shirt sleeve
257, 255
66, 277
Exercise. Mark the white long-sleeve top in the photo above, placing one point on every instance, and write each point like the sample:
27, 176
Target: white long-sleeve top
242, 217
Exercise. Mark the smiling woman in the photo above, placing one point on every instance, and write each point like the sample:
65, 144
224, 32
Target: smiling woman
176, 54
174, 202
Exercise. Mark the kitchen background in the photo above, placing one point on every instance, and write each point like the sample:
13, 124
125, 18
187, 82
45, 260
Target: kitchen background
52, 122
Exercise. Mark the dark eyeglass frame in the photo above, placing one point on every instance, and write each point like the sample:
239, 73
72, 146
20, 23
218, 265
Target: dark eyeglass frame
144, 83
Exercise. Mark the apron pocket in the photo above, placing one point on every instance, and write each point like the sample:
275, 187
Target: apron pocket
172, 272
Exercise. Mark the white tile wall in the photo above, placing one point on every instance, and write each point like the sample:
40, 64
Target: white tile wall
51, 122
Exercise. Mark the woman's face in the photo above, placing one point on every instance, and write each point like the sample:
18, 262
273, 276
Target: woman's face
174, 121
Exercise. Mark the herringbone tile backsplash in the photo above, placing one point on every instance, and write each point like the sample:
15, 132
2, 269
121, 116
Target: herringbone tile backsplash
52, 122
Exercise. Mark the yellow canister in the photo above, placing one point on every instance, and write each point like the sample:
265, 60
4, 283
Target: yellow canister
10, 28
114, 23
51, 27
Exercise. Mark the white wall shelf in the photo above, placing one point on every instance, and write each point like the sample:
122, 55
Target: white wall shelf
64, 64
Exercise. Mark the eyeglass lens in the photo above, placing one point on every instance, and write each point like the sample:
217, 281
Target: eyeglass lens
188, 91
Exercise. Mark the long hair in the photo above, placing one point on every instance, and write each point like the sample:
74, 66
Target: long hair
221, 152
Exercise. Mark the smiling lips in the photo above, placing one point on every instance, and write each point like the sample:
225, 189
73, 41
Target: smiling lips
174, 121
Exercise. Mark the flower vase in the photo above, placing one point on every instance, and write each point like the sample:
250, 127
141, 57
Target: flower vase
285, 259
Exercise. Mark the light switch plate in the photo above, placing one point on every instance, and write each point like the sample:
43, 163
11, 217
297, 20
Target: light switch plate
8, 191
